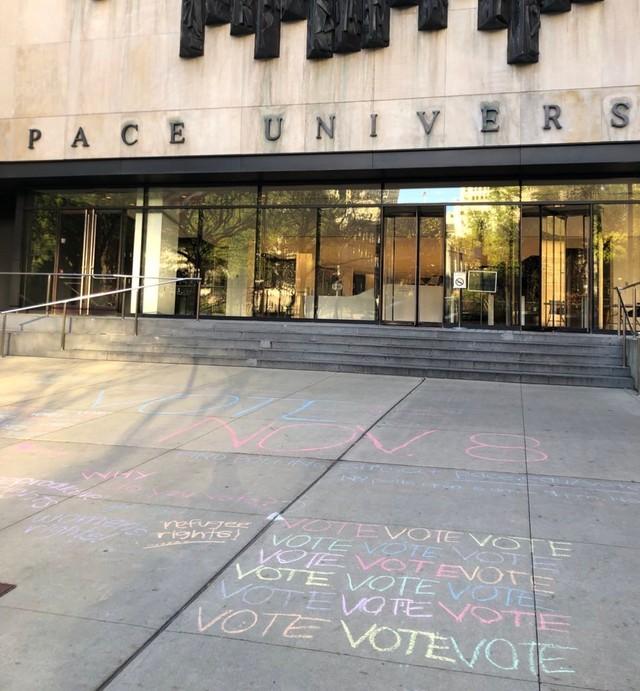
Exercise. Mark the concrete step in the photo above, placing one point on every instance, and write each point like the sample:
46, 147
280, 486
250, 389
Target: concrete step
571, 359
177, 326
423, 358
570, 354
313, 330
552, 357
623, 382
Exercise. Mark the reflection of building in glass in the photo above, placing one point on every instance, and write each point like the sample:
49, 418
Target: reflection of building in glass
350, 253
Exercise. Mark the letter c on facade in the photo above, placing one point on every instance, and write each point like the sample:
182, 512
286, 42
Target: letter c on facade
124, 134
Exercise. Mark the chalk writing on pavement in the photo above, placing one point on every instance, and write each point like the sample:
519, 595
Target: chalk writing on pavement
451, 599
198, 531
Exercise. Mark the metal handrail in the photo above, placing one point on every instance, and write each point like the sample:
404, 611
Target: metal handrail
624, 320
51, 275
138, 288
81, 275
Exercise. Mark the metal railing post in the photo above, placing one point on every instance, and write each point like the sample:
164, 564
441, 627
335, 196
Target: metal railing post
63, 332
48, 292
635, 311
198, 285
124, 301
3, 334
140, 290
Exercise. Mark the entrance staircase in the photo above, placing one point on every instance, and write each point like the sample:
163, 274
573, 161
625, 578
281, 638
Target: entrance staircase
506, 356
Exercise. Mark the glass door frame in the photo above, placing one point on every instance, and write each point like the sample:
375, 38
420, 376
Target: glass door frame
88, 252
417, 211
590, 310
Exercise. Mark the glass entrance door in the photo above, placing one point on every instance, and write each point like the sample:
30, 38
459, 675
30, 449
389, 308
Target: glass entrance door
556, 267
92, 243
71, 255
413, 266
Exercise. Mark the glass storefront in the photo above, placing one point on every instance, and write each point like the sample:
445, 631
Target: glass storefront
535, 255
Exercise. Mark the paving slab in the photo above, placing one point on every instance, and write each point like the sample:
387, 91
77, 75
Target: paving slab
231, 402
45, 651
362, 388
65, 469
595, 618
428, 446
448, 404
595, 411
18, 503
369, 492
592, 435
117, 562
28, 423
216, 481
582, 510
581, 454
302, 408
112, 397
209, 663
272, 381
22, 379
136, 429
422, 596
282, 438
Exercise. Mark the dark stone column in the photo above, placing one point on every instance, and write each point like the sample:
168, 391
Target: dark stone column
433, 15
348, 31
293, 10
553, 6
493, 14
218, 12
267, 30
192, 29
243, 17
376, 22
524, 32
320, 25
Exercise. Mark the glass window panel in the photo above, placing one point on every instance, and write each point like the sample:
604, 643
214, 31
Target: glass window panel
171, 250
319, 195
399, 268
203, 196
565, 267
531, 268
227, 259
42, 238
347, 263
484, 238
616, 253
418, 194
578, 191
85, 198
285, 273
431, 269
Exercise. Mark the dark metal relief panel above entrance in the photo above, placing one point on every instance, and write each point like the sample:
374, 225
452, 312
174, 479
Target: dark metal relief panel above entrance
347, 26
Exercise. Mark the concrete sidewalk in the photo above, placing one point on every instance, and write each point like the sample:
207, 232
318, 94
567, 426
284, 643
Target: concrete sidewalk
205, 528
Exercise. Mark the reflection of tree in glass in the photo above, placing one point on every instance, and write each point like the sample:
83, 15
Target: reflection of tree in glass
211, 242
487, 237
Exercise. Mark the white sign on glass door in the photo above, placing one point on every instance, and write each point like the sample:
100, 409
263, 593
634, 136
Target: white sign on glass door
460, 279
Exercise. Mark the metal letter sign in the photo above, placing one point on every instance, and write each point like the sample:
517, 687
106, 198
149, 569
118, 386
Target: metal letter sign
346, 26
